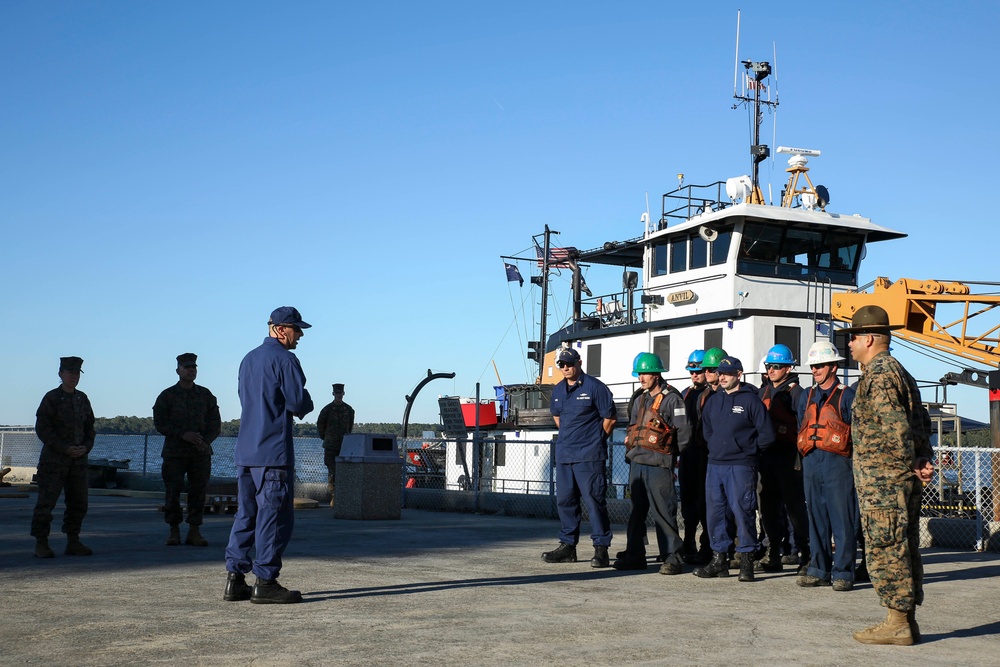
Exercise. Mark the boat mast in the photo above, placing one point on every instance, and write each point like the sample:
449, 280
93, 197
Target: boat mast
756, 74
537, 348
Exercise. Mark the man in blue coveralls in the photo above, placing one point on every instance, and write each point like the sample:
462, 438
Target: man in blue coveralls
737, 428
584, 412
272, 391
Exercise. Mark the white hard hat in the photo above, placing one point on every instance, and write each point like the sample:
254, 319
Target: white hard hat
823, 352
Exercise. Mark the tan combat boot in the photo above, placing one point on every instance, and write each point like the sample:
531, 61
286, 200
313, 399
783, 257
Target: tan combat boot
74, 547
895, 630
42, 549
175, 536
194, 537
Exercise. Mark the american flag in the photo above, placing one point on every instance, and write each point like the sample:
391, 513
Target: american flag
753, 84
558, 257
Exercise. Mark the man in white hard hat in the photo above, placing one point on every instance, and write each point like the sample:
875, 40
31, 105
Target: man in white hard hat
824, 442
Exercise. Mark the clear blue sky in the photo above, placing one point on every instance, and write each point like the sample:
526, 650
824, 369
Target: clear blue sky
171, 172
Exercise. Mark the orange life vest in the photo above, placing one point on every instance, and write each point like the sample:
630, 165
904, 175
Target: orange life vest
650, 431
823, 427
785, 421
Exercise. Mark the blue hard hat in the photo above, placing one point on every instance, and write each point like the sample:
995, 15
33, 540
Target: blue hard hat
780, 354
694, 361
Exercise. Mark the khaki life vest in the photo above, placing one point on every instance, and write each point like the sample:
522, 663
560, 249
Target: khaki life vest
650, 431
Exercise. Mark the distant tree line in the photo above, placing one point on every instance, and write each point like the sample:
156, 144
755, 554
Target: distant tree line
144, 425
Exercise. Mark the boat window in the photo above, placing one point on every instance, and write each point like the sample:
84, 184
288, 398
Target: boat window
699, 252
790, 337
661, 348
659, 259
713, 338
800, 253
841, 251
720, 247
594, 360
500, 451
678, 255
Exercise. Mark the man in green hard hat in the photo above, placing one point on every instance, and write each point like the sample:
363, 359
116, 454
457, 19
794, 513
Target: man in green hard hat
658, 430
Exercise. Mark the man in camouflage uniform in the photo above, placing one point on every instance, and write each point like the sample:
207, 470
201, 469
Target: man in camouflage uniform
335, 421
891, 430
188, 417
65, 425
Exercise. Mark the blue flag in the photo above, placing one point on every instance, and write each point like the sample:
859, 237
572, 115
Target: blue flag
513, 274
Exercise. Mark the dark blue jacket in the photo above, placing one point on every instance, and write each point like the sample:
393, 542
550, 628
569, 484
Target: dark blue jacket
272, 389
736, 427
582, 410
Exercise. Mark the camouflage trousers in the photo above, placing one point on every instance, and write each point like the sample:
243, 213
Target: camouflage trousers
53, 479
198, 470
330, 459
890, 518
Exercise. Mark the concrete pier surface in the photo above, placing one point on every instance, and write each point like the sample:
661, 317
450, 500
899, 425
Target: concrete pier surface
442, 589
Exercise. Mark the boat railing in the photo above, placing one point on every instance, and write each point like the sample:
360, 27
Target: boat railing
690, 200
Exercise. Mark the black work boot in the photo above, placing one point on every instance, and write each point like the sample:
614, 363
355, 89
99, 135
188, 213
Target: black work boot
174, 538
74, 547
771, 562
269, 591
564, 553
42, 548
236, 588
718, 567
746, 567
600, 558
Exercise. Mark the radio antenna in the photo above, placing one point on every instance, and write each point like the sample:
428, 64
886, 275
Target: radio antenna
736, 62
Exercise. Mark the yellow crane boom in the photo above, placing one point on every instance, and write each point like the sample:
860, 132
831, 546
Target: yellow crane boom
970, 329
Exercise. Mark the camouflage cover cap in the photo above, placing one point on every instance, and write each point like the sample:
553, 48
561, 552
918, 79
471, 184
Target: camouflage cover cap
187, 359
288, 316
871, 319
71, 364
338, 388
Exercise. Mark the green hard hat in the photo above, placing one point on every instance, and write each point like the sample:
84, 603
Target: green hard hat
712, 357
647, 362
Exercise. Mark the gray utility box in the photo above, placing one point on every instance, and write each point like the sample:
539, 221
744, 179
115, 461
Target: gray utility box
369, 478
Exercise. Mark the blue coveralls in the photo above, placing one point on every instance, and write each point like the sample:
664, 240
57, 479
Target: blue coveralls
272, 390
831, 499
736, 427
581, 457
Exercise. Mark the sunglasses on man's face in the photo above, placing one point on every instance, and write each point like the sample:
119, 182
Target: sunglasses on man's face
565, 364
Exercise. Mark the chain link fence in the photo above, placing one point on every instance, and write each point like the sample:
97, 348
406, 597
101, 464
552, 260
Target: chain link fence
512, 473
961, 505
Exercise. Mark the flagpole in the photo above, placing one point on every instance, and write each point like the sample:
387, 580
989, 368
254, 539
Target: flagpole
545, 303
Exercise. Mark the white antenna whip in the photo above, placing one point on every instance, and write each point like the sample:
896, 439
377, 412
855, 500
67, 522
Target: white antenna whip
736, 63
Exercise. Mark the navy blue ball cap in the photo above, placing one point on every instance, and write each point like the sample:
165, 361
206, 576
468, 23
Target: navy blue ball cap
568, 355
729, 365
288, 316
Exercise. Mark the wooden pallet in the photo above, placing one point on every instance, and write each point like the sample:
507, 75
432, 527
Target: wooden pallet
220, 505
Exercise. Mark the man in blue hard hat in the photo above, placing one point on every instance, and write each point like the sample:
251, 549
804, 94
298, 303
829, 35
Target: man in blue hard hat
272, 391
782, 496
584, 412
692, 467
